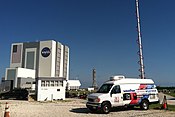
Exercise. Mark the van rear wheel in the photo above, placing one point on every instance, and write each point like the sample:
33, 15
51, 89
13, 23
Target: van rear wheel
106, 107
93, 110
144, 105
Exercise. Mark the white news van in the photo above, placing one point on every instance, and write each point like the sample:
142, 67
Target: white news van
121, 91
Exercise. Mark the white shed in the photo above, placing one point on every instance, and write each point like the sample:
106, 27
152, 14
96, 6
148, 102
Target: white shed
73, 84
50, 88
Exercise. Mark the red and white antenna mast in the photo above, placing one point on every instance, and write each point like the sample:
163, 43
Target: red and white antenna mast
139, 41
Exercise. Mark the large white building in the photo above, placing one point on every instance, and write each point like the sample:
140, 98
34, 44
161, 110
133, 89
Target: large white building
38, 60
47, 58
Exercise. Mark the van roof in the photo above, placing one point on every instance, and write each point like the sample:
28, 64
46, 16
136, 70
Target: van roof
131, 81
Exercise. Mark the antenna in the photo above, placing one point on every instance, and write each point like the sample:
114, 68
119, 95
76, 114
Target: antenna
139, 41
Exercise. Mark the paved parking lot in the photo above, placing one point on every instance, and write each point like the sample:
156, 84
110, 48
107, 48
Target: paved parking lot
74, 108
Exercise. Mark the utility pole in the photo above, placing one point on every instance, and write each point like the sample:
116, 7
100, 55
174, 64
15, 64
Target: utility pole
94, 83
139, 41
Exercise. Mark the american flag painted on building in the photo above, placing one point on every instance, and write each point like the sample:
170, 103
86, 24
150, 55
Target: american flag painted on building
16, 53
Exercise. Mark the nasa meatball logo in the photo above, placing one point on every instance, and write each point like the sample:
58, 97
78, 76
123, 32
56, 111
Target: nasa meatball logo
45, 52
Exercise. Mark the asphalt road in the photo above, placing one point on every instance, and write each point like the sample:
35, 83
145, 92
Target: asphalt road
170, 99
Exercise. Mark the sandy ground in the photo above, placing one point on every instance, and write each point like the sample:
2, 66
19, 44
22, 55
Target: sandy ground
73, 108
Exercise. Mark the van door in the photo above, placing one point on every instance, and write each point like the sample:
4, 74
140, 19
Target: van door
116, 96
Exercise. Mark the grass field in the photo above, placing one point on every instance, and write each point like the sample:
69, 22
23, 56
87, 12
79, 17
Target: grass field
158, 106
172, 94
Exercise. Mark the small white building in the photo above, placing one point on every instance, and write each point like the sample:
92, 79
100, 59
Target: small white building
20, 77
50, 88
73, 84
90, 89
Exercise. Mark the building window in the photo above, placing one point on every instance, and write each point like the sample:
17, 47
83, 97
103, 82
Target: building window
52, 83
14, 48
30, 60
43, 83
56, 83
11, 74
47, 84
60, 83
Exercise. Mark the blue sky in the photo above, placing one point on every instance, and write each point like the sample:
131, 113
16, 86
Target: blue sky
101, 34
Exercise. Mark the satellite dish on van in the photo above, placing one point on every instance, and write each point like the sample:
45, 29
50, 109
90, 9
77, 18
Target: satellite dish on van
113, 78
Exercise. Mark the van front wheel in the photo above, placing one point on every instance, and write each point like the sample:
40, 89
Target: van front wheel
144, 105
106, 107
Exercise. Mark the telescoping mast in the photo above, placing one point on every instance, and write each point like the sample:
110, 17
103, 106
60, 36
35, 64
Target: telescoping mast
139, 41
